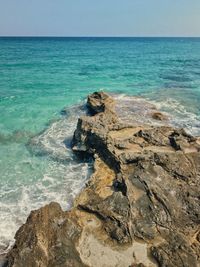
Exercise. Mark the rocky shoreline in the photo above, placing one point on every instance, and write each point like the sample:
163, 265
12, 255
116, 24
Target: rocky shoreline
139, 208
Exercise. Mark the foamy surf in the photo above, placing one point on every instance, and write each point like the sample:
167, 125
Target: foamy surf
55, 140
61, 177
132, 109
179, 115
60, 183
139, 110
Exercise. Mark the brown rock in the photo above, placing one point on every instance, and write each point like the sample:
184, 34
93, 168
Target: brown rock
99, 102
46, 239
159, 116
139, 208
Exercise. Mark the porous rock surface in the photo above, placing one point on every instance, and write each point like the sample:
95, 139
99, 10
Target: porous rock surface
141, 206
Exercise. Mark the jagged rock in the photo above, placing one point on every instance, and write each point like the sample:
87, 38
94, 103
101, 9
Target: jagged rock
159, 116
139, 208
46, 239
99, 102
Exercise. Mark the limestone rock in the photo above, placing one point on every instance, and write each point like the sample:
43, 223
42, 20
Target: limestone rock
139, 208
159, 116
99, 102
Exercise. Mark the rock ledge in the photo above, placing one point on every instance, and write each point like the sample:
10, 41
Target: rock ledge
139, 208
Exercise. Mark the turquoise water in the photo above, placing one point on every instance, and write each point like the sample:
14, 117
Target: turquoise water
41, 76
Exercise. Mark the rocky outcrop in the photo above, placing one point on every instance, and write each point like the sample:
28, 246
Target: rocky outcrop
139, 208
159, 116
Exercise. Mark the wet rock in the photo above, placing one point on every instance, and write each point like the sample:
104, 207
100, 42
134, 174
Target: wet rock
3, 261
159, 116
99, 102
139, 208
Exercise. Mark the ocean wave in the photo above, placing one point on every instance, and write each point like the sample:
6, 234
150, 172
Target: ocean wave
60, 183
56, 139
136, 110
139, 109
179, 115
60, 179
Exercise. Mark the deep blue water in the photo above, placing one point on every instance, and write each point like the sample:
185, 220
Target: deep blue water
40, 76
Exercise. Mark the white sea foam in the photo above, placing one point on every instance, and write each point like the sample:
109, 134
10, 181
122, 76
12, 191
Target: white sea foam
61, 183
57, 176
137, 109
55, 140
179, 115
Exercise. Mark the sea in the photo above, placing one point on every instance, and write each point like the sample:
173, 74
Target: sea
44, 83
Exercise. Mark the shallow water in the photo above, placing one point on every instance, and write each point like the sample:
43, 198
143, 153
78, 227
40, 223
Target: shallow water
41, 76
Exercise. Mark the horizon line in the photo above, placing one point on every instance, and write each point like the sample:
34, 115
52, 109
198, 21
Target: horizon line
93, 36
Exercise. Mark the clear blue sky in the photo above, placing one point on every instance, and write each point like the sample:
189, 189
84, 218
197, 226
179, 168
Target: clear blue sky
100, 17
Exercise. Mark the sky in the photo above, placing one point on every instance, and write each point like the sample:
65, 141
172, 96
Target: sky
99, 17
